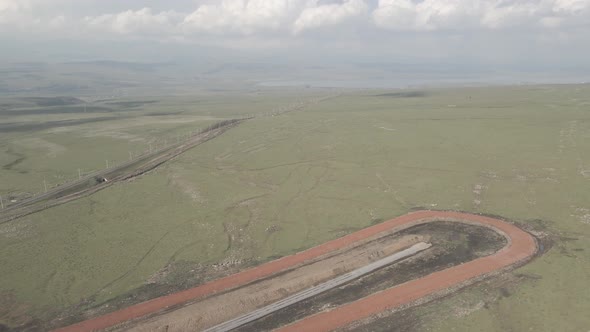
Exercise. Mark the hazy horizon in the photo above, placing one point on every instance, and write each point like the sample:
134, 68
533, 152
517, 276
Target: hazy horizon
310, 41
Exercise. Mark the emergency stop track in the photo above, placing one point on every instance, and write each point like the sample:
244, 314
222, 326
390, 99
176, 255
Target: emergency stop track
521, 247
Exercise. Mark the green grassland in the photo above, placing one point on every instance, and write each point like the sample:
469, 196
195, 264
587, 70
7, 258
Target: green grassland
41, 141
276, 185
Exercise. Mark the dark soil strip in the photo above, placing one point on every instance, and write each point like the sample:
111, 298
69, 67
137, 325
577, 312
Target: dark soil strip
453, 244
27, 126
19, 159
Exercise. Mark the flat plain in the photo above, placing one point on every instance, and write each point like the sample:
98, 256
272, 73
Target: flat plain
275, 185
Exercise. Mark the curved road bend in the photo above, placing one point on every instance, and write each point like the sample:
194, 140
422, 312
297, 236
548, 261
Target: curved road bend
521, 246
318, 289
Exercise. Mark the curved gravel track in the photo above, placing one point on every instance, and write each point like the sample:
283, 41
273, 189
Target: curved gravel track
521, 246
317, 289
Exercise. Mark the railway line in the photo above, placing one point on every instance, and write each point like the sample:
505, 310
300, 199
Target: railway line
76, 189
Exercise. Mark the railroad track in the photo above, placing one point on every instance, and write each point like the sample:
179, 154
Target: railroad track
87, 185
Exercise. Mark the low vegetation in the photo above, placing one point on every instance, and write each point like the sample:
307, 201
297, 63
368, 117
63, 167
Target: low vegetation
276, 185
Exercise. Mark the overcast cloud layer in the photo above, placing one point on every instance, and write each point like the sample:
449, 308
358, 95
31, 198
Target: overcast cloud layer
477, 28
192, 21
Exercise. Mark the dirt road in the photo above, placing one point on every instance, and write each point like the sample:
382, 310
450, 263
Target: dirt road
521, 246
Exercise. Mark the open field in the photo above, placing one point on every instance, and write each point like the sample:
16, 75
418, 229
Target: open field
18, 207
277, 185
51, 138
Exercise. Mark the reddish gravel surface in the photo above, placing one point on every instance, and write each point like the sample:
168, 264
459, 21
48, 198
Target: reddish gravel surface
521, 246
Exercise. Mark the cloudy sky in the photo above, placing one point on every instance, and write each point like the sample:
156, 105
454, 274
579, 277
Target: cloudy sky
544, 32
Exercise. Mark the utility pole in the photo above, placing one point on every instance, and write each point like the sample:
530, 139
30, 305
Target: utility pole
130, 156
1, 202
79, 174
45, 185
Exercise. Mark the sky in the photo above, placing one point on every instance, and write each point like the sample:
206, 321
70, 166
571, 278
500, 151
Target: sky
541, 33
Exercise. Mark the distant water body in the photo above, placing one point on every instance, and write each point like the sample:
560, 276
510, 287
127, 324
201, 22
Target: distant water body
352, 84
422, 82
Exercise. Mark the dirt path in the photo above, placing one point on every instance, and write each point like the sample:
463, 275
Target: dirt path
521, 246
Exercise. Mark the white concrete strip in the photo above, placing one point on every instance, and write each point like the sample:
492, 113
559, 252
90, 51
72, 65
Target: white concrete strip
315, 290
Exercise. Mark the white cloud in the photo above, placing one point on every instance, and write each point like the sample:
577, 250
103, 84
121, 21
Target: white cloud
11, 11
13, 5
481, 14
284, 17
400, 15
57, 22
426, 15
242, 16
330, 14
142, 21
513, 14
571, 6
273, 22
